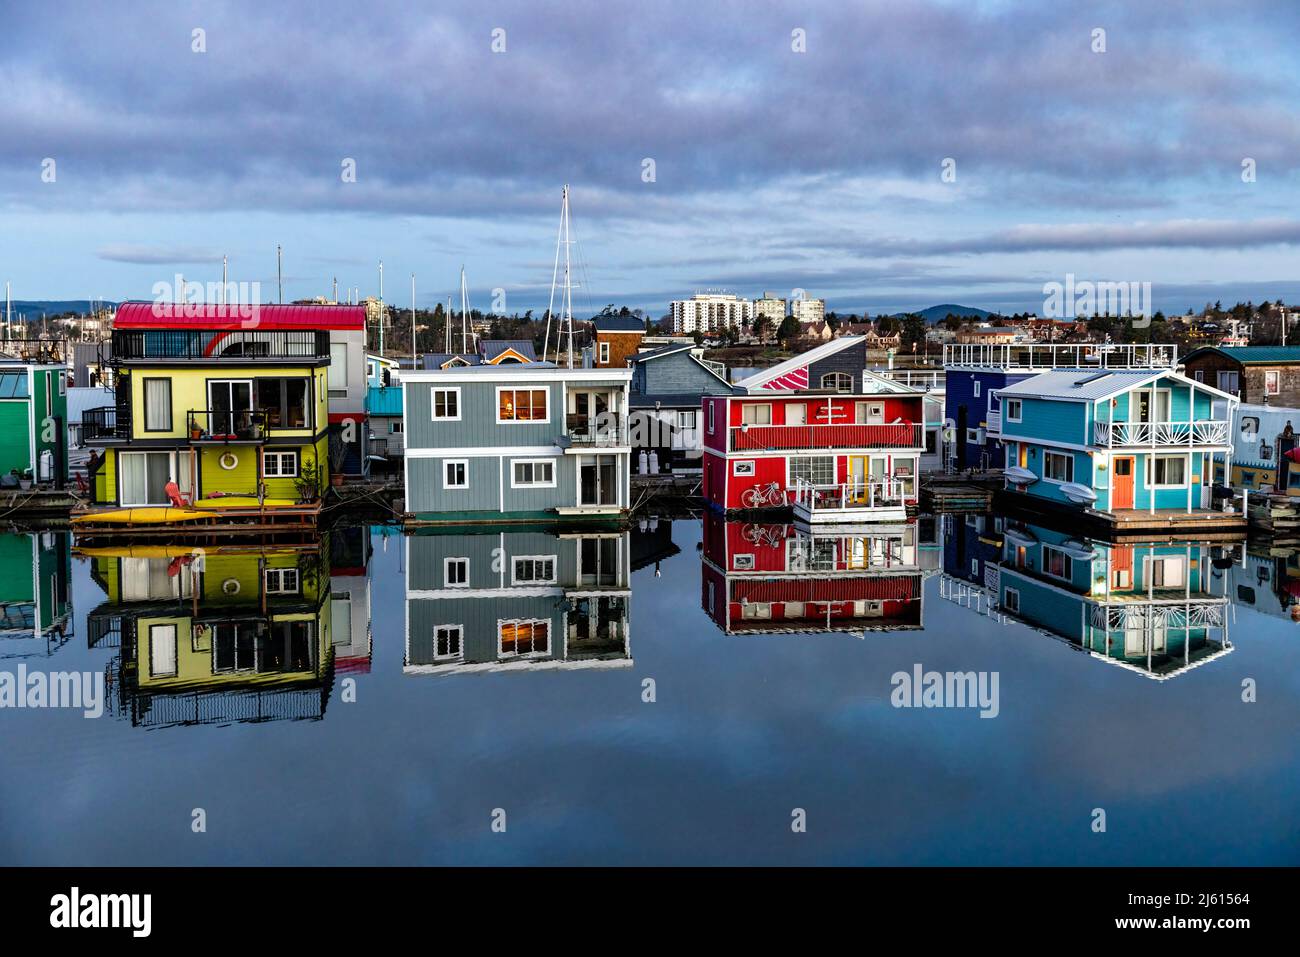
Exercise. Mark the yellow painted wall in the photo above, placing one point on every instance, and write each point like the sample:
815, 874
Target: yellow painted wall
190, 391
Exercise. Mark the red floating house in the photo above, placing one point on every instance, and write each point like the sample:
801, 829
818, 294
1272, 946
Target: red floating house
817, 434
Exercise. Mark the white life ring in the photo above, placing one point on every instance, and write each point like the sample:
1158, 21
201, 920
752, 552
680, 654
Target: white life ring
228, 460
230, 586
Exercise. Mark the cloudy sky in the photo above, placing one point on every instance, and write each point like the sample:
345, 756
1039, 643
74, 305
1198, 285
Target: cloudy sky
772, 168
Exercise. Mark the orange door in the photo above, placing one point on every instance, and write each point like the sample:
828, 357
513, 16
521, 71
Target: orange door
1121, 568
1122, 496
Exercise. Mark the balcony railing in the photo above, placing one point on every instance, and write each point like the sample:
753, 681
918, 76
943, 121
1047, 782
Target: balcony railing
931, 380
897, 435
993, 422
1034, 355
852, 496
225, 425
1194, 613
167, 345
607, 430
1161, 434
101, 423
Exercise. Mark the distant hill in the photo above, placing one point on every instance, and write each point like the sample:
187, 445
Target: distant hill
938, 313
35, 308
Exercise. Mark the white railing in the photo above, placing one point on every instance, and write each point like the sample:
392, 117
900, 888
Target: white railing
1196, 613
852, 496
1039, 355
993, 422
932, 380
1186, 434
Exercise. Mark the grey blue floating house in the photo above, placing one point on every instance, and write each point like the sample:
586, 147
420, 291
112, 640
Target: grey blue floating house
1113, 440
667, 387
516, 442
517, 601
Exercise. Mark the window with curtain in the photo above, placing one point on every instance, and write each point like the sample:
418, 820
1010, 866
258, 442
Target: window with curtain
157, 405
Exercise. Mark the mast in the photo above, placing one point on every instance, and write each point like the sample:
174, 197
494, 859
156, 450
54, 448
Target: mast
9, 318
566, 297
464, 314
279, 273
381, 308
415, 356
224, 265
568, 276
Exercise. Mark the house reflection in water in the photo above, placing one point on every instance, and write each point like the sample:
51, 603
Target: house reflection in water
1158, 608
516, 601
35, 607
784, 578
1267, 581
349, 550
215, 636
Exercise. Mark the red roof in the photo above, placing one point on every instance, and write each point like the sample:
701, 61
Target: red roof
169, 315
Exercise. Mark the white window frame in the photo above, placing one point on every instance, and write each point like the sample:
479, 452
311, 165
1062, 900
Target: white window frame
280, 575
521, 388
1068, 566
743, 562
447, 564
278, 454
835, 381
687, 419
1273, 376
1011, 604
1007, 406
1065, 455
550, 638
869, 413
747, 406
1151, 471
433, 403
712, 408
514, 569
460, 642
514, 483
604, 352
175, 656
464, 463
975, 388
744, 468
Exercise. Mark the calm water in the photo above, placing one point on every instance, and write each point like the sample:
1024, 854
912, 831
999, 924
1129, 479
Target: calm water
758, 710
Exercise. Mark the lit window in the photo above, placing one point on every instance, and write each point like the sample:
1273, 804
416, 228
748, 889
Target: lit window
521, 405
531, 636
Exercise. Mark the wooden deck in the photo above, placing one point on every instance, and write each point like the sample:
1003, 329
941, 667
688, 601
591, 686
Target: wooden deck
1127, 525
268, 524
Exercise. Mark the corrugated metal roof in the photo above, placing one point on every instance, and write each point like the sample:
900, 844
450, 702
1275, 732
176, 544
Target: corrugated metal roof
1083, 384
1254, 355
167, 315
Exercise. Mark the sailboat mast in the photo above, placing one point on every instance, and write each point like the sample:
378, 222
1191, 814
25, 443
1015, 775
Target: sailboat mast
415, 356
568, 278
381, 308
446, 325
464, 315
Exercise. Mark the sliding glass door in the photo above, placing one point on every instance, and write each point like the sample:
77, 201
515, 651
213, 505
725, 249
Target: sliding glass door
142, 477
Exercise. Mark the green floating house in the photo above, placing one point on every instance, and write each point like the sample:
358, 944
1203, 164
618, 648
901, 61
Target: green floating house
35, 607
34, 420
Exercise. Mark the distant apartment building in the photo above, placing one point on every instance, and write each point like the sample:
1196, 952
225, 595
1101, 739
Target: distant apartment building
771, 307
710, 313
808, 310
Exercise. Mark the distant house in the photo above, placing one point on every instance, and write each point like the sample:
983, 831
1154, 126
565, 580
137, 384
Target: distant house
1262, 437
617, 339
819, 330
1263, 375
495, 352
664, 402
384, 404
446, 360
993, 335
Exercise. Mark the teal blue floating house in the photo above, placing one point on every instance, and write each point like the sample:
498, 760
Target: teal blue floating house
1158, 609
1114, 441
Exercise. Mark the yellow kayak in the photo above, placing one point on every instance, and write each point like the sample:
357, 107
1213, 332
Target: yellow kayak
145, 515
242, 501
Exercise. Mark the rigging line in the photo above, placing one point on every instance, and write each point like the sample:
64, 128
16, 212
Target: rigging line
555, 273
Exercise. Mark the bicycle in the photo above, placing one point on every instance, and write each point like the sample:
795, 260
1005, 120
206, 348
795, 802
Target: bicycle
763, 495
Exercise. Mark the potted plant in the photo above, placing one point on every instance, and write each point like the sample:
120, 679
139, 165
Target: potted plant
196, 433
25, 479
338, 456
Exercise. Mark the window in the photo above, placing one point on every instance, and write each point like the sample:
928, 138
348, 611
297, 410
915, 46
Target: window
282, 402
280, 464
447, 641
1167, 572
604, 352
869, 413
1245, 594
338, 371
534, 570
63, 383
1011, 410
532, 473
743, 563
1228, 382
686, 419
455, 473
745, 467
1272, 384
712, 407
931, 441
455, 572
754, 414
813, 469
975, 568
1247, 479
1056, 563
976, 388
157, 405
839, 381
446, 405
1200, 375
1058, 467
1011, 601
394, 428
528, 636
162, 651
522, 405
282, 581
1168, 471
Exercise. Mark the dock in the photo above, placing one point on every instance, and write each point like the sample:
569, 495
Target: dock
1127, 525
959, 492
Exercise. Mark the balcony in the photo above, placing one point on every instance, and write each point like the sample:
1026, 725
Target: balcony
603, 431
1187, 435
225, 427
767, 438
1043, 356
1179, 613
993, 422
852, 501
163, 346
101, 424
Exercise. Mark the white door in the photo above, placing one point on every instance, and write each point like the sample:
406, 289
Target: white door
162, 650
796, 413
